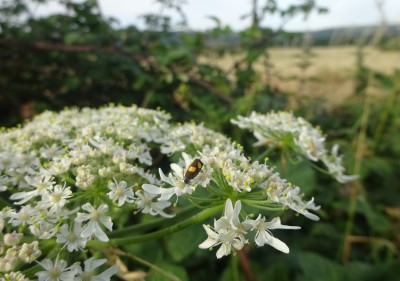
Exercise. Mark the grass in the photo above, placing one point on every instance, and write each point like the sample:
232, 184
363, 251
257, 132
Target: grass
330, 75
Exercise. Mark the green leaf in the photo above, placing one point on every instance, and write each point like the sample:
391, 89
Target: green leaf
175, 273
181, 244
318, 268
299, 174
376, 221
73, 38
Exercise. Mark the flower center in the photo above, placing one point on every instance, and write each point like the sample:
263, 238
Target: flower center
180, 184
72, 237
52, 152
119, 191
86, 276
23, 216
148, 202
95, 215
54, 272
56, 197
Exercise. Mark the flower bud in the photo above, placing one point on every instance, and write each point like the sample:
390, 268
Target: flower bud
8, 264
11, 239
30, 252
12, 252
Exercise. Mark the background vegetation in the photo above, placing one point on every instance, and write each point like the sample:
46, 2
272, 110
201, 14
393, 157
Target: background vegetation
79, 58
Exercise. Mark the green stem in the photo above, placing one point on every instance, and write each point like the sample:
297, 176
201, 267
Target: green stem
259, 205
144, 226
216, 191
384, 117
168, 275
199, 217
221, 182
200, 199
360, 150
68, 179
255, 195
266, 152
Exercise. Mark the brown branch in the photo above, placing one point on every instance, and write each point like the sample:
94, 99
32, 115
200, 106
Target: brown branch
245, 264
204, 84
149, 61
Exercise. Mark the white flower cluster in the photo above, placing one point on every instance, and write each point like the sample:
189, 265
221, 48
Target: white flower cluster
59, 270
228, 173
295, 133
60, 164
229, 231
67, 173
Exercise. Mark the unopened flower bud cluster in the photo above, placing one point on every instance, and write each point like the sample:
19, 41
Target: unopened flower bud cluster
13, 251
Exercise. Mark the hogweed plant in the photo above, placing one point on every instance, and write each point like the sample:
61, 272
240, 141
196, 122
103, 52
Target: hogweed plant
67, 178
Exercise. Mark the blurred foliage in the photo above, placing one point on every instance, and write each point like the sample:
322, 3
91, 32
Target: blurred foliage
80, 58
390, 43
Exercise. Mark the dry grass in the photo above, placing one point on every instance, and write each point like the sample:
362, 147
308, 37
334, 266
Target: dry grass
330, 75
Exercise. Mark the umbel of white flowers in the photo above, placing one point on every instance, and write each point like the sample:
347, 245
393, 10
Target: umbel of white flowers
296, 134
70, 174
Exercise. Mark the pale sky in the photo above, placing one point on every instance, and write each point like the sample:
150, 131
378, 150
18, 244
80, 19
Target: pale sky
342, 13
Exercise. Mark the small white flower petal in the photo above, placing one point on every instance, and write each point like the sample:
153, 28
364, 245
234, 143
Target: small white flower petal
100, 234
89, 229
107, 222
88, 207
151, 188
165, 178
106, 275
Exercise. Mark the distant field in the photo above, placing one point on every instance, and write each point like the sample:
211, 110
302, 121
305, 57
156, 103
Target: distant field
330, 73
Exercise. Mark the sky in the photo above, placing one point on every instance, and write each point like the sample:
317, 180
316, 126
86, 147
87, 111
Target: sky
342, 13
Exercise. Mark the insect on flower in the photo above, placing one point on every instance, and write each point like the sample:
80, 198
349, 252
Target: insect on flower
193, 170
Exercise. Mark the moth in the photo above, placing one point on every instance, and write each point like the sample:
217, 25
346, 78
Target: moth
193, 170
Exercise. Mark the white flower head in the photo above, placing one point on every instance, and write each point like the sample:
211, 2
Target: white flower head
56, 272
59, 166
71, 238
146, 205
281, 192
296, 134
90, 266
42, 229
334, 164
264, 236
177, 181
228, 231
26, 215
141, 152
56, 199
95, 219
51, 152
42, 185
120, 192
